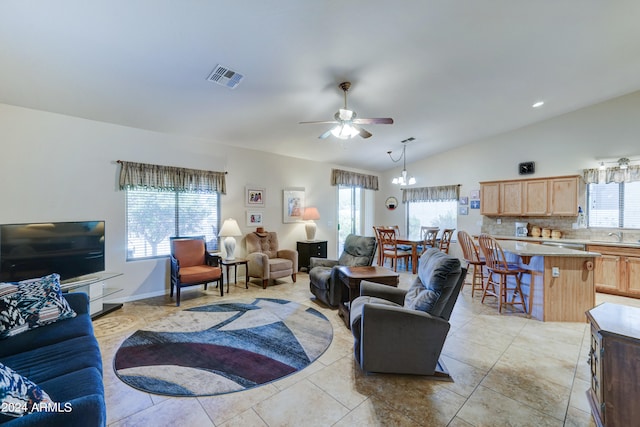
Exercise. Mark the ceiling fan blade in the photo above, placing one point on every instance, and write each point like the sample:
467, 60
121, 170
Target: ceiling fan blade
321, 122
377, 121
325, 135
363, 132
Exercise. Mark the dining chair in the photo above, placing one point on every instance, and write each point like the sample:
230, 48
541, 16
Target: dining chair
497, 265
389, 248
429, 236
472, 256
445, 239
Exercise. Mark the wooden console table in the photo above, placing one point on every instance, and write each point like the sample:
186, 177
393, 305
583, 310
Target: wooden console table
613, 356
351, 278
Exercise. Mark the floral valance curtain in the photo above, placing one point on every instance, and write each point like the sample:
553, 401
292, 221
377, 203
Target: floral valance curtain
170, 178
609, 175
431, 194
353, 179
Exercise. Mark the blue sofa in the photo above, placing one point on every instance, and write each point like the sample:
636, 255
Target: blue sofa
63, 358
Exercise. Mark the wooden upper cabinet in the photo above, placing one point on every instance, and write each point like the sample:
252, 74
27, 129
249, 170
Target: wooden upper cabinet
563, 196
557, 196
511, 198
490, 198
535, 197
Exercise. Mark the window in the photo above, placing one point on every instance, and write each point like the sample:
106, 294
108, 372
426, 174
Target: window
442, 214
349, 213
154, 216
614, 205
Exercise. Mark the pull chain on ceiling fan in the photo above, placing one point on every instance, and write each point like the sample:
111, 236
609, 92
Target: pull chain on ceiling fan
347, 125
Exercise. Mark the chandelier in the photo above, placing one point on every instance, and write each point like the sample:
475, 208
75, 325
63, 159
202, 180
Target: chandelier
402, 179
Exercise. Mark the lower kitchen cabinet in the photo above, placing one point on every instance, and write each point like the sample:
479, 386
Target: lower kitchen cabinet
617, 271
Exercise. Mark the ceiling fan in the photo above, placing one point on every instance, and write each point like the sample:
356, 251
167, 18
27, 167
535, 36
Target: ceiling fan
347, 124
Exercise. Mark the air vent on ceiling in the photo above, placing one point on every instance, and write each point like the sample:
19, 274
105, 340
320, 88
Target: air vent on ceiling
225, 77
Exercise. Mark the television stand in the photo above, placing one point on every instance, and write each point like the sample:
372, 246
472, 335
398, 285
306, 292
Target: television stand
93, 285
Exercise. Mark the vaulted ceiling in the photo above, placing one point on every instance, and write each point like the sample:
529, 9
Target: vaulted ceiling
448, 72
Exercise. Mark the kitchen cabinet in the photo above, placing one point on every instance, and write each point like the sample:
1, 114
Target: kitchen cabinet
617, 271
563, 196
511, 198
535, 197
490, 198
555, 196
613, 356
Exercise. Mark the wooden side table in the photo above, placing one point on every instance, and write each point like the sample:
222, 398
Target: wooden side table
235, 263
306, 250
351, 278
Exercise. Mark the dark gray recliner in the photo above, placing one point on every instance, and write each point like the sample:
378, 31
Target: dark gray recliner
403, 331
323, 276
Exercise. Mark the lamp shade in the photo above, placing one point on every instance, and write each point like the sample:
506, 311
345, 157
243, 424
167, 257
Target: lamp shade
230, 228
310, 214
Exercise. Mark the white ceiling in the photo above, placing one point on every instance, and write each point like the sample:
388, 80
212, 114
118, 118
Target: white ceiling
448, 72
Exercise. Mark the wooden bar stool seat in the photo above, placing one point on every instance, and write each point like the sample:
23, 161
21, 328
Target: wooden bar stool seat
472, 257
497, 265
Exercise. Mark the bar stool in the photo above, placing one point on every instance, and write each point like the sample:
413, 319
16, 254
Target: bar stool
472, 257
497, 265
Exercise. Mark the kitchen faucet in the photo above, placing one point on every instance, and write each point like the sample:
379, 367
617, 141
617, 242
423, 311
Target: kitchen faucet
618, 235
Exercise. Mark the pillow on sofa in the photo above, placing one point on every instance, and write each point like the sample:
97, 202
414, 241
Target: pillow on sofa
434, 280
11, 320
18, 394
40, 301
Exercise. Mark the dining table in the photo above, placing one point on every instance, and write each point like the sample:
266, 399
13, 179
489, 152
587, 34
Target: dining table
414, 243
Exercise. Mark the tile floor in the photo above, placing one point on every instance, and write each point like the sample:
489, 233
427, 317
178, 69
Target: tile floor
508, 371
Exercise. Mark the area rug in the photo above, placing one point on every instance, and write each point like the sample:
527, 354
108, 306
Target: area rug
223, 348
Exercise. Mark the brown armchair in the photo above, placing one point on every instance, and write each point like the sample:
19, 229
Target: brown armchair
191, 265
266, 261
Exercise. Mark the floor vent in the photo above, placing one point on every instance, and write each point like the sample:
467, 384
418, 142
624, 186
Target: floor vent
225, 77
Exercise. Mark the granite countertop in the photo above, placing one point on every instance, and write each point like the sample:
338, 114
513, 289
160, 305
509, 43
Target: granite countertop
574, 241
534, 249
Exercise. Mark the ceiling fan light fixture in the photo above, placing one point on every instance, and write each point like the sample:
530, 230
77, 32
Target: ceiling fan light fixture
344, 131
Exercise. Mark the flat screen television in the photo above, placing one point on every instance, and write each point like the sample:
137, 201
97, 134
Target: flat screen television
70, 249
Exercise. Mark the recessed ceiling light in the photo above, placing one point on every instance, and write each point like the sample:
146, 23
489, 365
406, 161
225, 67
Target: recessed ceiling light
538, 104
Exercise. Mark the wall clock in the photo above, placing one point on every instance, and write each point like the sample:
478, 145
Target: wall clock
391, 203
526, 168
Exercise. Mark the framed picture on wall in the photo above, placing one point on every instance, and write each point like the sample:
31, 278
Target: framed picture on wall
292, 204
464, 200
463, 210
474, 194
475, 204
254, 196
254, 218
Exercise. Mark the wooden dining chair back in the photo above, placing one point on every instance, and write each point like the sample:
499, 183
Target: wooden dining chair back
389, 248
471, 255
445, 239
429, 236
497, 265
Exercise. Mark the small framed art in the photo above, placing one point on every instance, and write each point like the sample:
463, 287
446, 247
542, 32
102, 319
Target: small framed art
475, 204
464, 200
254, 196
292, 204
254, 218
463, 210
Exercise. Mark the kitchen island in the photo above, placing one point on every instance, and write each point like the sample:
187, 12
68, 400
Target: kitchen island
561, 283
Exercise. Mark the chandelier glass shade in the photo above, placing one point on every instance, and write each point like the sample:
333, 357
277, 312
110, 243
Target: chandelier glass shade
404, 178
344, 131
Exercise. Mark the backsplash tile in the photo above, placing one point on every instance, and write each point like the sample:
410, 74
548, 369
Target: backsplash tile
564, 224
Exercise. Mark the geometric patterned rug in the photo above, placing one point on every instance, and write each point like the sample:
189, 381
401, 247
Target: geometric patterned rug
223, 347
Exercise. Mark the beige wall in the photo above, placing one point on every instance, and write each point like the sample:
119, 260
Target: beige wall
60, 168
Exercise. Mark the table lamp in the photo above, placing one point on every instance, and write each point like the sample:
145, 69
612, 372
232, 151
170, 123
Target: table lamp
229, 230
310, 215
